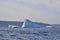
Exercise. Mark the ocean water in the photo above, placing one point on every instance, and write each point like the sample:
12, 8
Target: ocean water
29, 33
19, 33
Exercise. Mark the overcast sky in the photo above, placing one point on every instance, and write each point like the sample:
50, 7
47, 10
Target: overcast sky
47, 11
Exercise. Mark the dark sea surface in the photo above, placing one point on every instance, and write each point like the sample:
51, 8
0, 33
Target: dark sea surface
19, 33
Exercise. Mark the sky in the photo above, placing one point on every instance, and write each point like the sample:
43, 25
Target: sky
46, 11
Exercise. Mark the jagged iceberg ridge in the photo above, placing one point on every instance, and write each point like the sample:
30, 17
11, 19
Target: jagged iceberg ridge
29, 24
26, 24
